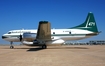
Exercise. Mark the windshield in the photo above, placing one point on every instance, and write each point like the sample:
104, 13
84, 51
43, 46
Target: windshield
9, 32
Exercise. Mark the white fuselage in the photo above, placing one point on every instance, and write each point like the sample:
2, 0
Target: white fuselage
57, 35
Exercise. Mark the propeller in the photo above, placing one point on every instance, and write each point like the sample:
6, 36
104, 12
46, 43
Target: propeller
20, 37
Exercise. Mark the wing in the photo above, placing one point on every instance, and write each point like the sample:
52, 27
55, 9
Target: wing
43, 35
44, 31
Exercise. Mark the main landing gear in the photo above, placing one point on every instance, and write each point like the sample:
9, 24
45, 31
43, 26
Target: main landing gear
11, 47
44, 46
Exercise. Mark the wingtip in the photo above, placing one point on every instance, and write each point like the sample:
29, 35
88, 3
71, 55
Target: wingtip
43, 22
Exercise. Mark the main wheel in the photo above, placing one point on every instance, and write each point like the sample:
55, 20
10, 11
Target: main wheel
11, 47
44, 46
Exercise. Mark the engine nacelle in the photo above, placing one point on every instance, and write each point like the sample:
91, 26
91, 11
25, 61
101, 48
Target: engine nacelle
29, 36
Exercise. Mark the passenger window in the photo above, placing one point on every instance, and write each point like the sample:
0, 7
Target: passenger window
53, 32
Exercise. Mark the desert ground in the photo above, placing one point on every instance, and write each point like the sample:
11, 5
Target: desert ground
72, 55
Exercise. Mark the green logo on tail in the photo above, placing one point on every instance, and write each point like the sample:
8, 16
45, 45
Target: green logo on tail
89, 24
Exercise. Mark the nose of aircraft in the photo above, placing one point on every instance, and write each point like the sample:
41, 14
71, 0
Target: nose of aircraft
4, 37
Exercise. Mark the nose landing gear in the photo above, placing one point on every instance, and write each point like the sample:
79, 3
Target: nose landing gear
11, 47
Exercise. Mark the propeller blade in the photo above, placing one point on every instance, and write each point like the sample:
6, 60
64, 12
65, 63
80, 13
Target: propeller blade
20, 38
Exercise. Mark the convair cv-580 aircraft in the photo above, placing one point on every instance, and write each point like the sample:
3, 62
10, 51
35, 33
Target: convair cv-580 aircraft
44, 36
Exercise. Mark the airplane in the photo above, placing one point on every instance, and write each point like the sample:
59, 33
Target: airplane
57, 36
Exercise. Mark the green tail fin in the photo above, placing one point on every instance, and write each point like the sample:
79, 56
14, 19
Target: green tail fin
89, 24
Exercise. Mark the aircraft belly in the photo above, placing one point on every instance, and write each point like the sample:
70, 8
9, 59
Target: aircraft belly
74, 37
58, 41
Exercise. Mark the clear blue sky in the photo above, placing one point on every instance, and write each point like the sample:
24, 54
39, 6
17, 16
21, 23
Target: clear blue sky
18, 14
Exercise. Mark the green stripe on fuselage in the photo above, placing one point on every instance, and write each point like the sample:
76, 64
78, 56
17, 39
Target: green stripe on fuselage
57, 35
67, 34
12, 35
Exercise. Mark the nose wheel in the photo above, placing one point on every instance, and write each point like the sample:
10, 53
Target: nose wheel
11, 47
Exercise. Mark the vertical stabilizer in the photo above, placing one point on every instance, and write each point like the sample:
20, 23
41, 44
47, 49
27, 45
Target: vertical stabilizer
89, 24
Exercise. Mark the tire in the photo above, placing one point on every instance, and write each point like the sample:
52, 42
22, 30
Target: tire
44, 46
11, 47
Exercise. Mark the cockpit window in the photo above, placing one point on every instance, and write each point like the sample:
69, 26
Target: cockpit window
9, 32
